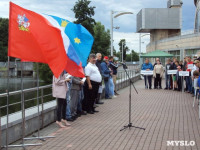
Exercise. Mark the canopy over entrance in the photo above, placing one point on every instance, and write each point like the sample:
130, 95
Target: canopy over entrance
155, 54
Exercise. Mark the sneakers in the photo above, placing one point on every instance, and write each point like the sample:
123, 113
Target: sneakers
114, 96
108, 98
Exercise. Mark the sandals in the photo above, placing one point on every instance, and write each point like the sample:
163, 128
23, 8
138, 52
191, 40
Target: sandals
60, 124
65, 122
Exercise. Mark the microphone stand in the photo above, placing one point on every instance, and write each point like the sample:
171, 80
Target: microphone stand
130, 125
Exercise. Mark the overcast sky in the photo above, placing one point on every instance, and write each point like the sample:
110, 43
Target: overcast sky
127, 23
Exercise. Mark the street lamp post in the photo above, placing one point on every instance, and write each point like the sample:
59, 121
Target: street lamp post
131, 56
122, 52
111, 33
140, 45
111, 27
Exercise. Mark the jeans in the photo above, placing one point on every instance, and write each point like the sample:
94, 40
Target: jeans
68, 110
106, 88
81, 97
189, 83
167, 81
109, 88
149, 78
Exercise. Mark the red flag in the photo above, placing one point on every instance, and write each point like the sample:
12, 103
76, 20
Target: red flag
33, 38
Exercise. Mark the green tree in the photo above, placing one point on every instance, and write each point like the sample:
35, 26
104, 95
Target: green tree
121, 44
3, 39
134, 57
118, 54
45, 72
101, 39
3, 52
83, 14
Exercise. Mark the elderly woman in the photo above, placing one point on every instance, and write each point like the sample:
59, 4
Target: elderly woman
59, 92
158, 73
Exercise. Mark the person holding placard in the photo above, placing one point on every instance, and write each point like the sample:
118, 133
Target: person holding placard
174, 66
98, 64
147, 66
158, 73
74, 94
167, 77
196, 76
189, 79
178, 78
195, 68
157, 59
59, 92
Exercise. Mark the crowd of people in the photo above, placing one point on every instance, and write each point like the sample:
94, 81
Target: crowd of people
80, 96
173, 81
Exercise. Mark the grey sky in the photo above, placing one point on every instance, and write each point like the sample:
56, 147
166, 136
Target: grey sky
127, 23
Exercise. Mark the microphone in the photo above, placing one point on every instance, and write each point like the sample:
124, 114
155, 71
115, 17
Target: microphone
124, 65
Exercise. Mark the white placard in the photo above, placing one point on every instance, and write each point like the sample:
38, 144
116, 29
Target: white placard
144, 72
67, 76
183, 73
171, 72
100, 89
83, 79
190, 66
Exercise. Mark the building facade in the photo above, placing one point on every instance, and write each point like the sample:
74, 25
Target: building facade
165, 26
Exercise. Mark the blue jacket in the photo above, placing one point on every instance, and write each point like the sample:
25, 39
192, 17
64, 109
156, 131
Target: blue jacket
198, 83
105, 70
147, 66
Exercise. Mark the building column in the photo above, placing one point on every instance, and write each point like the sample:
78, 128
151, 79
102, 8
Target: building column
182, 54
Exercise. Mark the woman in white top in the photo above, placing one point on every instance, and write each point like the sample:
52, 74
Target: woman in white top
158, 73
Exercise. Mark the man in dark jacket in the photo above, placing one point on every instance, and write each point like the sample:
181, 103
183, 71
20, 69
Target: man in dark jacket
75, 88
113, 66
98, 64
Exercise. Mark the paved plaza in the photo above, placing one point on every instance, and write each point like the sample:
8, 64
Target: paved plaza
167, 116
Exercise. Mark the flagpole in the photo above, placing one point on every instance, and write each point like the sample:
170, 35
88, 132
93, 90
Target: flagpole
23, 116
22, 104
7, 109
38, 103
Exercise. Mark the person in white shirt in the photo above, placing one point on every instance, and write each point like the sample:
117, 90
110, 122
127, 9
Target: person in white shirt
93, 80
195, 68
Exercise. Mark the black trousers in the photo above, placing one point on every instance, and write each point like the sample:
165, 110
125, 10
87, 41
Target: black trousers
90, 96
179, 82
158, 81
61, 109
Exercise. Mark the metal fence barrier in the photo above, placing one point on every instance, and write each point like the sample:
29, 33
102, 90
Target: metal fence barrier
47, 95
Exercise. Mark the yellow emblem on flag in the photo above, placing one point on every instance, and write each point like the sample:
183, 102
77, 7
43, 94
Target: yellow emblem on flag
23, 22
77, 40
64, 23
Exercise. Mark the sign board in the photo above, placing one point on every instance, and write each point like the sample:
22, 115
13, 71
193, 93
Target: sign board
190, 66
183, 73
171, 72
144, 72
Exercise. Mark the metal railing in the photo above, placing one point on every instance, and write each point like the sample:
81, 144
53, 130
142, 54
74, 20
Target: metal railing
15, 98
45, 94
